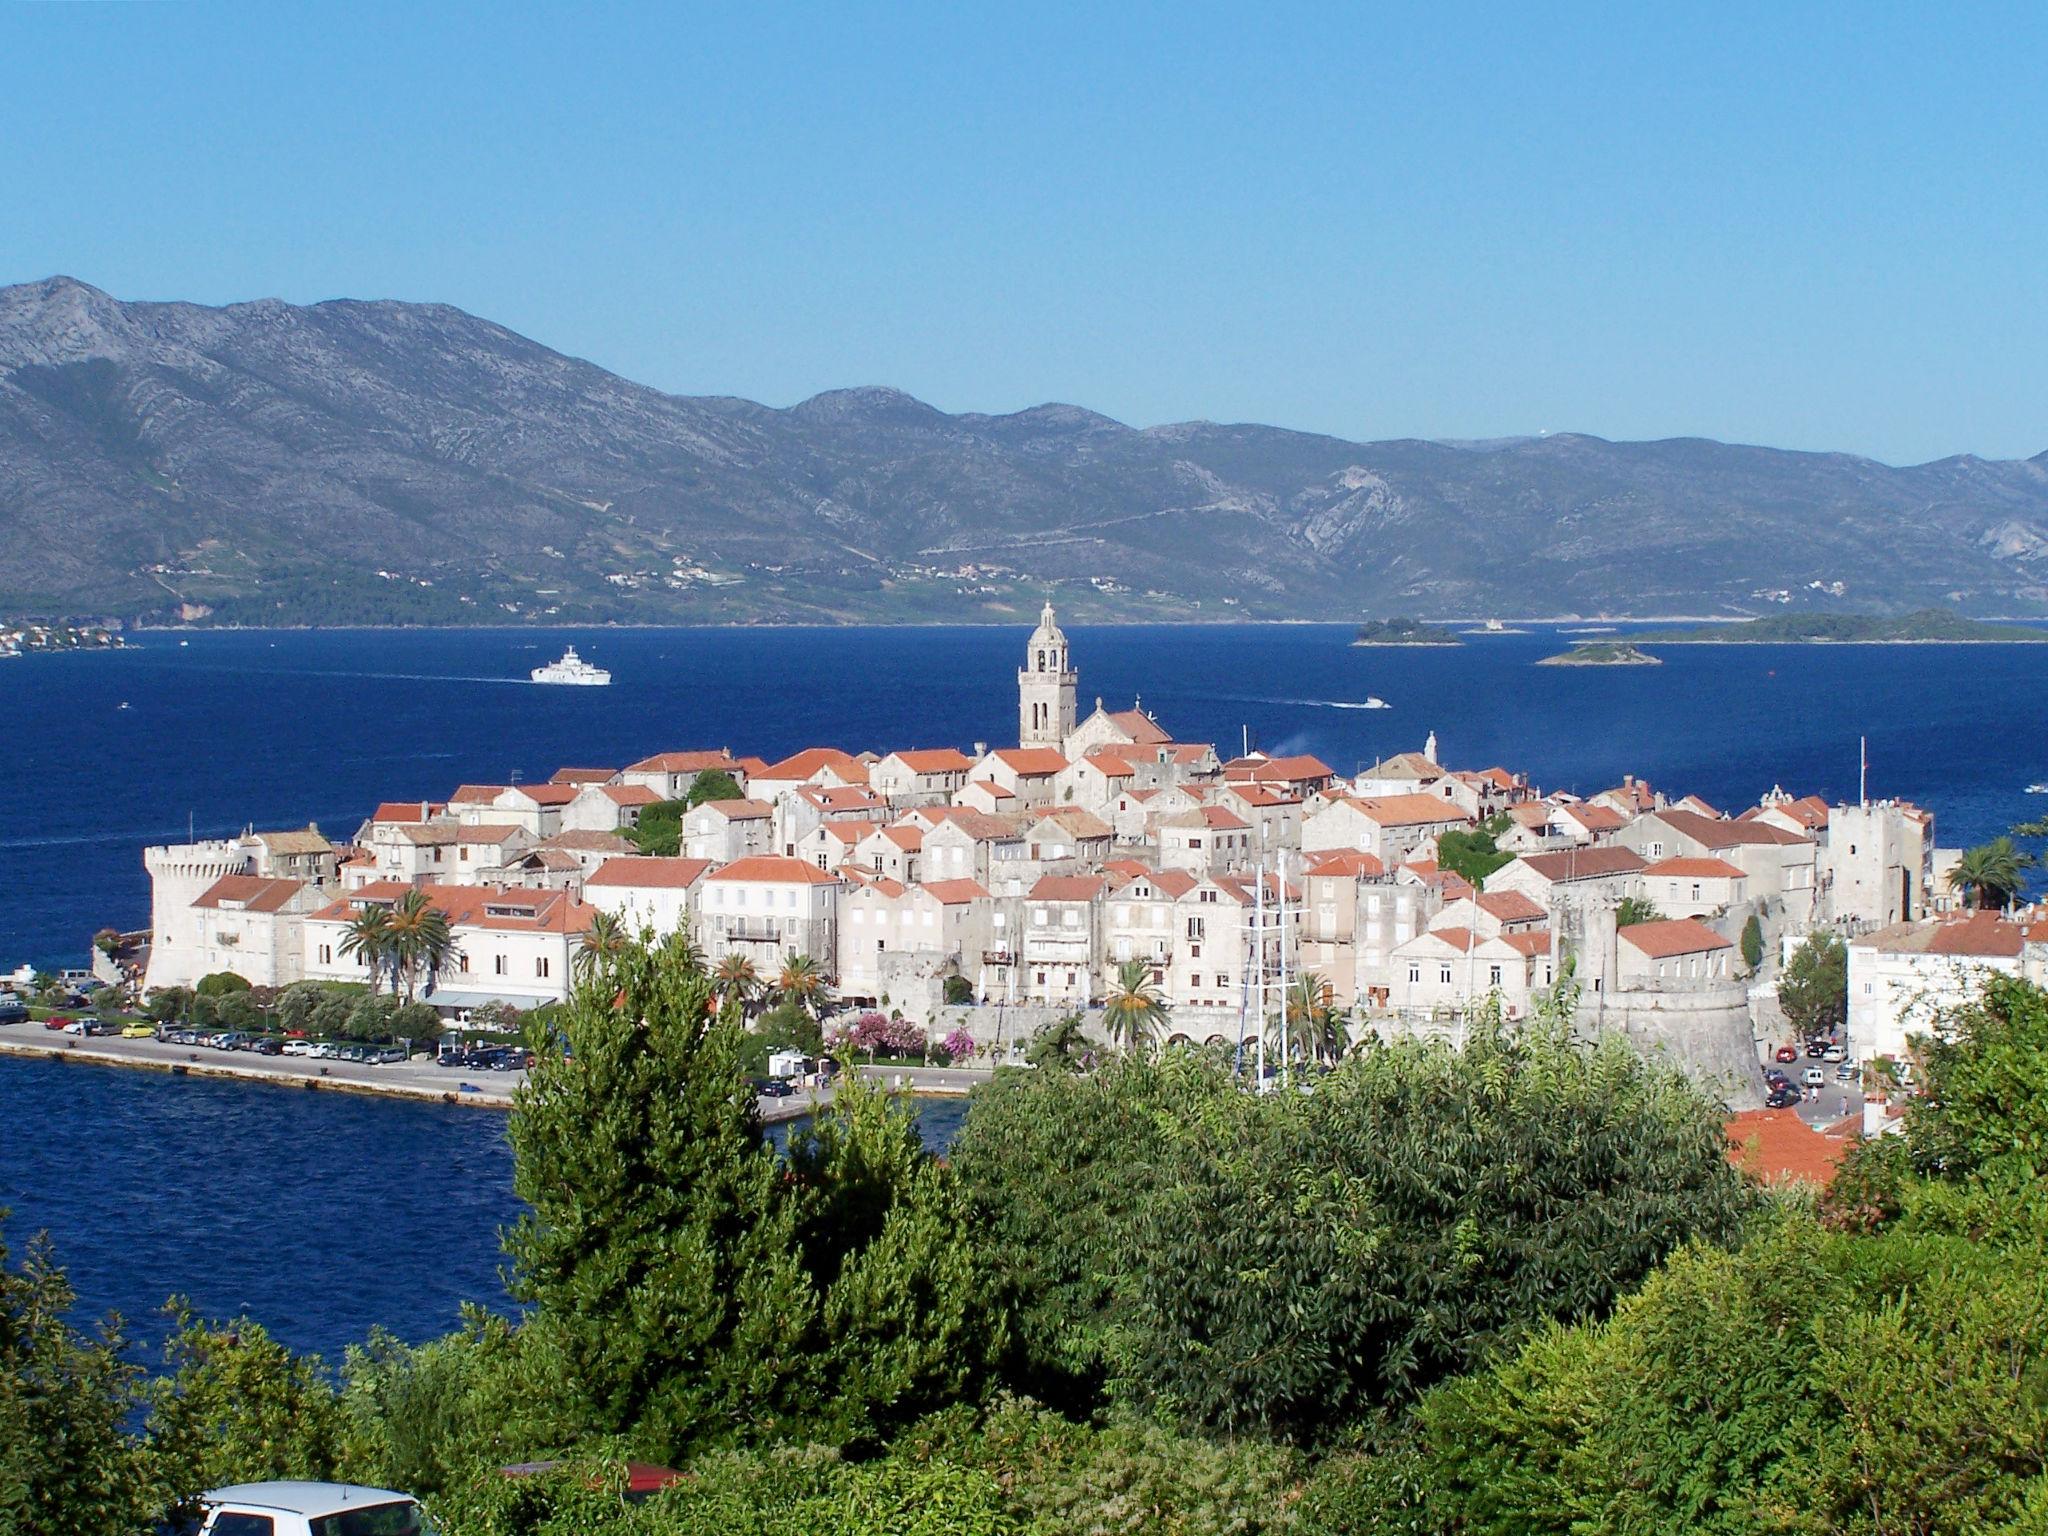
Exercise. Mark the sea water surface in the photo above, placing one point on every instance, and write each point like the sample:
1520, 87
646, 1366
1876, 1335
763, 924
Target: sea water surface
322, 1214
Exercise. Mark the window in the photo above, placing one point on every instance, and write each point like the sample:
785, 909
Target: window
1194, 951
1444, 974
327, 954
244, 1525
540, 965
1415, 973
1695, 890
498, 964
1493, 975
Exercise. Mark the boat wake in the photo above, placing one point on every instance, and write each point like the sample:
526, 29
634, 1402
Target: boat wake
1369, 702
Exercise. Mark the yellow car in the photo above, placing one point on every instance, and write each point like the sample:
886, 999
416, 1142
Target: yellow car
139, 1032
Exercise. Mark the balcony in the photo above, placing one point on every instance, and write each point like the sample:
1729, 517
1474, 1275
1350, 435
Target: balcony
754, 933
997, 957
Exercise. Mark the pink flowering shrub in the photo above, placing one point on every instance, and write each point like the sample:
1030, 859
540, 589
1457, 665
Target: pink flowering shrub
876, 1034
959, 1046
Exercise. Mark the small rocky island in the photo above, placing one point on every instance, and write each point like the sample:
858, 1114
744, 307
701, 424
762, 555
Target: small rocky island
1403, 632
1602, 653
1924, 626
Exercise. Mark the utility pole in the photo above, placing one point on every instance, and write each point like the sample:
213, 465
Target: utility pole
1259, 963
1286, 1052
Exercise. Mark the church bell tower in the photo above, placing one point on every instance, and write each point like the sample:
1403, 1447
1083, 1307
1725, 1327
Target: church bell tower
1046, 687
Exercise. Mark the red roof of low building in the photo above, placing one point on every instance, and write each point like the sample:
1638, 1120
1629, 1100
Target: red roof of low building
250, 893
629, 794
954, 893
1670, 936
738, 810
1347, 862
935, 760
581, 776
773, 869
649, 874
813, 761
683, 762
1406, 810
1510, 906
398, 811
1695, 869
1142, 729
1067, 888
1030, 762
1582, 864
1775, 1147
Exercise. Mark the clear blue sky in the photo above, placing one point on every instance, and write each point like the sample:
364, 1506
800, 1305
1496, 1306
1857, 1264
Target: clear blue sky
1816, 227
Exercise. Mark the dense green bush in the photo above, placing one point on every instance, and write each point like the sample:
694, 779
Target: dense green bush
1288, 1264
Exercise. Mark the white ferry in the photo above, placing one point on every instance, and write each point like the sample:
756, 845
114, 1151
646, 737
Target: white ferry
573, 671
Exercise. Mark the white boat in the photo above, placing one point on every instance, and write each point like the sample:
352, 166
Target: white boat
2037, 789
573, 671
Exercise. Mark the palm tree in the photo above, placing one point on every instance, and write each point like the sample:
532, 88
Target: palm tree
1992, 874
603, 940
1312, 1026
420, 941
1135, 1011
801, 982
368, 939
738, 979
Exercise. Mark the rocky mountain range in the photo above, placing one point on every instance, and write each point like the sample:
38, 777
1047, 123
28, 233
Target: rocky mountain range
384, 462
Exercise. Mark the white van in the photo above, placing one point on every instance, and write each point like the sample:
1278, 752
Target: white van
310, 1509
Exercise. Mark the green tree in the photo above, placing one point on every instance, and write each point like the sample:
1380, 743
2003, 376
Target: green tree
1059, 1046
167, 1005
659, 829
605, 939
417, 1024
1314, 1030
1814, 991
738, 980
712, 784
1753, 943
1135, 1011
1472, 855
1259, 1263
418, 941
367, 937
1636, 909
233, 1405
959, 991
237, 1010
297, 1004
1991, 874
65, 1464
801, 981
221, 984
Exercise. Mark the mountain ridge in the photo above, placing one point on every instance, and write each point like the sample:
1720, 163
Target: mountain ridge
384, 461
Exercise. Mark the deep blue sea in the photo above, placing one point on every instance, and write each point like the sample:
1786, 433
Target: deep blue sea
322, 1215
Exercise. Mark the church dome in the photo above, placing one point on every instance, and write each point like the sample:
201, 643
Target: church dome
1048, 632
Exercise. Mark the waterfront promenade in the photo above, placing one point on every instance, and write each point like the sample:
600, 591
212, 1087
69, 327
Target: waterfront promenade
416, 1079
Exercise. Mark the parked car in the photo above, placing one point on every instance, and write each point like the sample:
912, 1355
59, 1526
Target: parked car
12, 1011
78, 1026
324, 1050
1787, 1053
298, 1048
1834, 1053
773, 1087
1785, 1097
1813, 1077
228, 1040
101, 1027
643, 1479
1816, 1045
385, 1055
310, 1509
57, 1021
139, 1032
267, 1046
511, 1058
1848, 1072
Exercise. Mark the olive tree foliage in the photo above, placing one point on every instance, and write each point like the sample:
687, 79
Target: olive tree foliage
1809, 1382
65, 1464
1814, 991
690, 1288
1291, 1264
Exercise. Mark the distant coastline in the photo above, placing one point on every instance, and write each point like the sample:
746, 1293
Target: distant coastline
1926, 626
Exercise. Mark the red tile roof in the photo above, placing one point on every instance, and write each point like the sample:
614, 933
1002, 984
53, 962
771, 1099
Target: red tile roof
1695, 869
954, 893
1582, 864
649, 874
1530, 941
1671, 936
582, 776
629, 794
250, 893
1030, 762
1776, 1147
1725, 834
1109, 765
1346, 862
934, 760
392, 811
1407, 810
683, 762
1142, 729
812, 761
476, 794
738, 810
1067, 888
768, 868
1511, 906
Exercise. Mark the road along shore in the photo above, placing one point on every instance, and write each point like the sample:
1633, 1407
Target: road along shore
419, 1079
